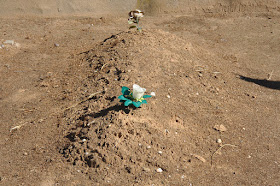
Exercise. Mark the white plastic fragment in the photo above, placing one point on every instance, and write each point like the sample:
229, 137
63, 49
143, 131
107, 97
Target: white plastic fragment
153, 94
11, 42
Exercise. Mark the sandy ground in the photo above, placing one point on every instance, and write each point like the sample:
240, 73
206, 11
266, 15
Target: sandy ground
214, 120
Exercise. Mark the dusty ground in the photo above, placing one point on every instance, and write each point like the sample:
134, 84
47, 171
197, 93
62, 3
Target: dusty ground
62, 124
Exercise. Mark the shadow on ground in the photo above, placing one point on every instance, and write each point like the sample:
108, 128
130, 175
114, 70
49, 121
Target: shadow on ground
262, 82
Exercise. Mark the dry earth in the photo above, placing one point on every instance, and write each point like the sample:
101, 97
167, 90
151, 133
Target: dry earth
216, 79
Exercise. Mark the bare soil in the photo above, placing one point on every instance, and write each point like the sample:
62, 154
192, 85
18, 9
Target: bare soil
216, 78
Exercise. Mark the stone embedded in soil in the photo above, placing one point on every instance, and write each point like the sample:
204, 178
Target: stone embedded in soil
146, 169
220, 128
159, 170
17, 45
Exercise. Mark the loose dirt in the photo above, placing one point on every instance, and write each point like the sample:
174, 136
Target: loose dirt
215, 76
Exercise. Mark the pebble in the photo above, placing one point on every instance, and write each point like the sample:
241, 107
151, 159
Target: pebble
148, 147
219, 141
168, 97
146, 169
153, 94
84, 140
160, 152
17, 45
56, 45
220, 128
159, 170
183, 176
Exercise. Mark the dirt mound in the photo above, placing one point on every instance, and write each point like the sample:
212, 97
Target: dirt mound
108, 141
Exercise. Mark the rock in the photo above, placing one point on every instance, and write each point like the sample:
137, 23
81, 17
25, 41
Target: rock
56, 45
168, 96
159, 170
220, 128
160, 152
17, 45
148, 147
153, 94
146, 169
219, 141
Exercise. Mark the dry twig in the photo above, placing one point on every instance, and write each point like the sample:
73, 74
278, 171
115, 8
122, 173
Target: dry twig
219, 149
89, 97
103, 66
17, 127
270, 75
